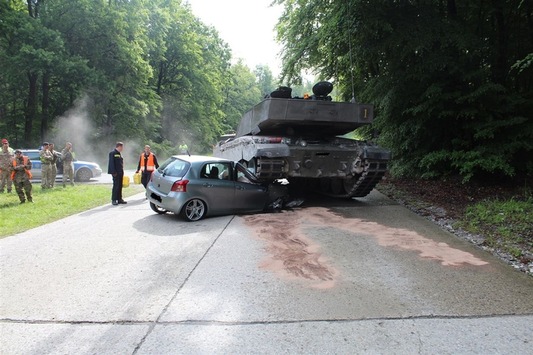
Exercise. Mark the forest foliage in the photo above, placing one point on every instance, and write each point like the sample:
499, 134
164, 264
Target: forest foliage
96, 72
451, 82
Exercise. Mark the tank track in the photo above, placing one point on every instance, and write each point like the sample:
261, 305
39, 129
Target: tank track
358, 186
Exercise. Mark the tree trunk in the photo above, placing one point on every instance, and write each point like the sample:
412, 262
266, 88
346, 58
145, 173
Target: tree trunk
45, 105
499, 69
31, 108
451, 8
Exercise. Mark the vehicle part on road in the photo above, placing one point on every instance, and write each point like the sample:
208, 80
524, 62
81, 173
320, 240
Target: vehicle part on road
157, 209
84, 175
300, 139
194, 187
194, 210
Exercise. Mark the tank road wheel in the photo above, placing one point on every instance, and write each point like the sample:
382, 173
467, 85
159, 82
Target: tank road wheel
349, 184
157, 209
194, 210
337, 186
325, 184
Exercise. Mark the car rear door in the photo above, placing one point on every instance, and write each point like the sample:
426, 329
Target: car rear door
215, 188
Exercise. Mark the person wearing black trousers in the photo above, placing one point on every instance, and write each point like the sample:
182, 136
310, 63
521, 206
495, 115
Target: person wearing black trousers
116, 169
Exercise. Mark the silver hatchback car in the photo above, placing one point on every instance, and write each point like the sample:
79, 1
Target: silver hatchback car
198, 186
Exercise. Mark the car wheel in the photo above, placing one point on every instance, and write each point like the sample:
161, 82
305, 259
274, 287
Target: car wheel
157, 209
194, 210
84, 175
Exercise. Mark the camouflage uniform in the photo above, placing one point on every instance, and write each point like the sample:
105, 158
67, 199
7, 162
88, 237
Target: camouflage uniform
46, 166
53, 170
21, 177
6, 159
68, 169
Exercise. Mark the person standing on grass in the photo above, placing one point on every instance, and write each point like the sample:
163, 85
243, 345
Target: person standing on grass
67, 156
6, 158
147, 164
21, 176
116, 169
46, 166
53, 166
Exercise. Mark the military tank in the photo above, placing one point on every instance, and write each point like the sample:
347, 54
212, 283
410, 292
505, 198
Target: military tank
300, 139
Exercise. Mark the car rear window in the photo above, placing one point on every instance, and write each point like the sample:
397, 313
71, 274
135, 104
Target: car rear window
174, 167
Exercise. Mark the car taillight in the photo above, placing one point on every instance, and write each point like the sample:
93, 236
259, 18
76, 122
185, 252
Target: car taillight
180, 186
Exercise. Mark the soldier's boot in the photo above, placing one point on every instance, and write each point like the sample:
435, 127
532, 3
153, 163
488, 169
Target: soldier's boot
22, 201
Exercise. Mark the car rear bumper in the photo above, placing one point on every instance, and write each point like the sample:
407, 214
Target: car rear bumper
172, 202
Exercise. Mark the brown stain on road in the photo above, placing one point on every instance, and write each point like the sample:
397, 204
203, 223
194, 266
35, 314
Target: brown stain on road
293, 254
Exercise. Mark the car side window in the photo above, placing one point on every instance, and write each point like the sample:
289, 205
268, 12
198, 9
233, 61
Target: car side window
219, 171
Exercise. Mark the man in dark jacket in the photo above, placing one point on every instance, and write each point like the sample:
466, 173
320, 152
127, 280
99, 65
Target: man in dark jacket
116, 169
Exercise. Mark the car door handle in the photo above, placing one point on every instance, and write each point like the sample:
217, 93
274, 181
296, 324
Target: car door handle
239, 187
208, 185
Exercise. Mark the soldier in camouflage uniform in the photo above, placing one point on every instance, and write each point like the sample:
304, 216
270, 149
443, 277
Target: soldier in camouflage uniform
21, 176
46, 165
68, 168
6, 158
55, 158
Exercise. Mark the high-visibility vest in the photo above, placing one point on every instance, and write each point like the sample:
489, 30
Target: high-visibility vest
25, 160
150, 164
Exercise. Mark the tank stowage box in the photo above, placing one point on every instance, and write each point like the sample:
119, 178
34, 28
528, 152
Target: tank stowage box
300, 140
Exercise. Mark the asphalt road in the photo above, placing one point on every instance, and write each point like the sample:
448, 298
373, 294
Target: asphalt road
332, 277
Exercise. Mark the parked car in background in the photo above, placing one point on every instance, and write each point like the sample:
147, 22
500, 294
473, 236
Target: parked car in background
198, 186
83, 170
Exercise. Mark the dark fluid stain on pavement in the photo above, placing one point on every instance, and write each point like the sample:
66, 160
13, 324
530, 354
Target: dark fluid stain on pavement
296, 255
291, 252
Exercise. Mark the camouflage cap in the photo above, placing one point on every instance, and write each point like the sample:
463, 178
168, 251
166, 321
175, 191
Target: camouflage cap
45, 143
18, 151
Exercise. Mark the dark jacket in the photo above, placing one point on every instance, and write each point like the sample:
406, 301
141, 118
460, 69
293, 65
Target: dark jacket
116, 163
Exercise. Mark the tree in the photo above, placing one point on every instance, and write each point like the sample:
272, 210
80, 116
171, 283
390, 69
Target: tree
439, 73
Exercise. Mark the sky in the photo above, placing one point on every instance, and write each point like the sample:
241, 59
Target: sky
247, 26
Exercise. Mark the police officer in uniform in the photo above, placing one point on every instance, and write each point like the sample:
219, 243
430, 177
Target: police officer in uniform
116, 169
183, 148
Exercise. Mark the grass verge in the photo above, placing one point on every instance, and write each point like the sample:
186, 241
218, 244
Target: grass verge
507, 225
54, 204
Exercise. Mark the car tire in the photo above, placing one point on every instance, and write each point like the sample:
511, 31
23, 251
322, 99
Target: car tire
84, 175
157, 209
194, 210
